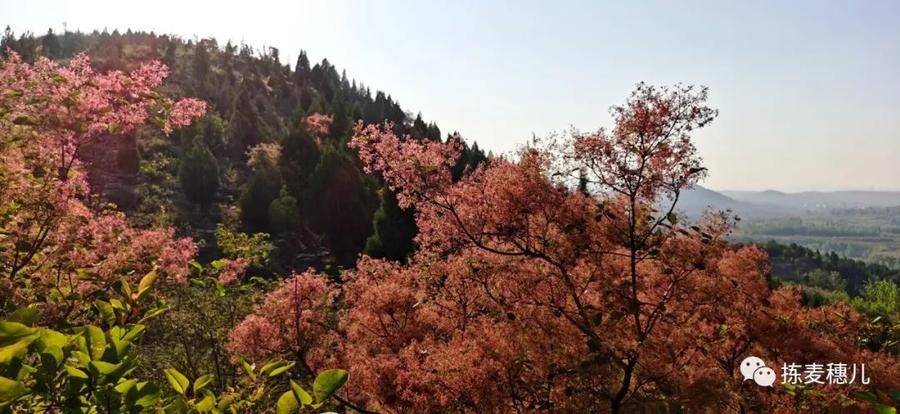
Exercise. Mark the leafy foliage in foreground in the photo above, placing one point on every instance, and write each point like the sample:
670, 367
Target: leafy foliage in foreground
89, 369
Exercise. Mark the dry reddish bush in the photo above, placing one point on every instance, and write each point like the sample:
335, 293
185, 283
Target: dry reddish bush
533, 293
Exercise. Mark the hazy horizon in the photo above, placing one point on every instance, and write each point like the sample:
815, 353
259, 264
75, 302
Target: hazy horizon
807, 92
801, 191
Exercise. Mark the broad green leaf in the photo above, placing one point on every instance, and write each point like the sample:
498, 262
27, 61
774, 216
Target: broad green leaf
280, 370
125, 385
104, 368
26, 316
143, 395
197, 266
327, 383
51, 357
15, 350
10, 389
126, 288
270, 366
178, 381
201, 382
115, 332
177, 406
207, 404
12, 331
220, 288
145, 285
96, 341
248, 368
287, 404
120, 347
76, 373
218, 264
275, 368
884, 409
118, 305
106, 311
134, 332
82, 357
302, 395
51, 339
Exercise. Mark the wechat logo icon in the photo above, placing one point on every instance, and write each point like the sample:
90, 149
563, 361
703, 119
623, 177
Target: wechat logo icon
754, 368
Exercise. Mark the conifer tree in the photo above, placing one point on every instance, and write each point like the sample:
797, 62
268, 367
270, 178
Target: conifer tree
263, 187
299, 158
8, 42
394, 230
201, 61
50, 45
284, 213
302, 67
199, 175
338, 205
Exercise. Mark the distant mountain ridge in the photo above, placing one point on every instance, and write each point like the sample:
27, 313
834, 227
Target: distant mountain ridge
817, 200
771, 203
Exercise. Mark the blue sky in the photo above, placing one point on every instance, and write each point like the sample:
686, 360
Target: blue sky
809, 92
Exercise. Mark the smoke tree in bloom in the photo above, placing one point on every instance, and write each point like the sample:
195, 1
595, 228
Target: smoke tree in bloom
564, 281
318, 124
54, 248
293, 321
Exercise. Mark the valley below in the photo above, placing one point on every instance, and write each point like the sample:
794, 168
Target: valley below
862, 225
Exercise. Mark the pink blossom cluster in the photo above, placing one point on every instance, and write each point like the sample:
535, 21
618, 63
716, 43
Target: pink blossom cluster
413, 168
52, 241
233, 270
318, 124
105, 246
294, 320
650, 148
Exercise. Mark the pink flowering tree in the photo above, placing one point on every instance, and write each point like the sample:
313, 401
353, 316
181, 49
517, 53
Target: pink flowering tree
54, 248
293, 321
319, 124
531, 293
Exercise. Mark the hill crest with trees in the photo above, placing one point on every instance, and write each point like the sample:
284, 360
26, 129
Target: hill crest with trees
304, 186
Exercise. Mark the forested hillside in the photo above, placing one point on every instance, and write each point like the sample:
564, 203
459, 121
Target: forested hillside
269, 157
827, 270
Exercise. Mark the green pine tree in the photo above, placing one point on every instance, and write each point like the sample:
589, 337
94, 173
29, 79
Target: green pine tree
51, 46
263, 187
339, 205
299, 157
284, 213
199, 175
394, 230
